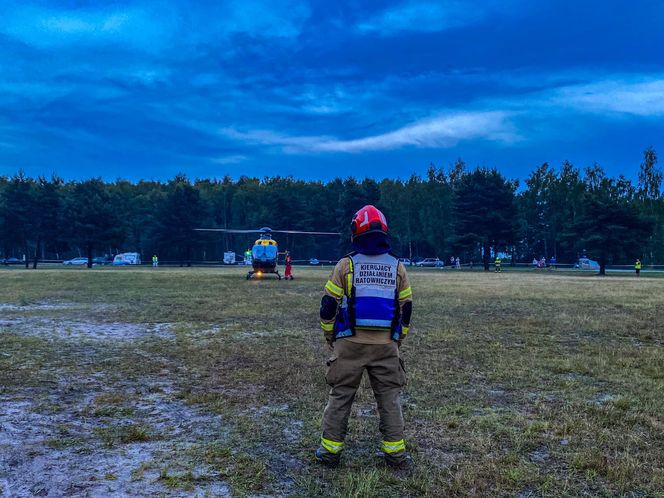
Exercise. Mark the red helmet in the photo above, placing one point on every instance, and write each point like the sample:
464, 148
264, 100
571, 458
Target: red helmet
369, 219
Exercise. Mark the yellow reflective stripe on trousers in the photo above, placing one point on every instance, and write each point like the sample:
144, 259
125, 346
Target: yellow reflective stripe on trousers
394, 446
331, 446
334, 288
405, 293
327, 327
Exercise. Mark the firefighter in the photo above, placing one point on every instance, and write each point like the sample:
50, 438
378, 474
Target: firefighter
155, 261
497, 264
288, 275
637, 267
365, 315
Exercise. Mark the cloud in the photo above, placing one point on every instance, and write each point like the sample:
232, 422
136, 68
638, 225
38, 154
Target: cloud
264, 18
43, 27
496, 120
428, 16
641, 96
150, 26
438, 132
232, 159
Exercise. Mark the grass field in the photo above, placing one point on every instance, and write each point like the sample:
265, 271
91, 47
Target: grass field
182, 382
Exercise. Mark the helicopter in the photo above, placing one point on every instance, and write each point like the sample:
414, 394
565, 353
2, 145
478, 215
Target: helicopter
265, 250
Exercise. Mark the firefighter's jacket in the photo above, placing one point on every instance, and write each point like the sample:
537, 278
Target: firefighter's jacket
373, 300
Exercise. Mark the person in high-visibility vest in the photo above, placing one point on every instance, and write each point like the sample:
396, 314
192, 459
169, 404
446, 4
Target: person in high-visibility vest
497, 264
155, 261
365, 315
637, 267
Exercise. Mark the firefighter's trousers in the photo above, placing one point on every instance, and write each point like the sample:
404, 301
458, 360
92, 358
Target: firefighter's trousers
344, 374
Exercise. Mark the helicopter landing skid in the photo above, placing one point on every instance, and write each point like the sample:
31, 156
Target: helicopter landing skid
252, 273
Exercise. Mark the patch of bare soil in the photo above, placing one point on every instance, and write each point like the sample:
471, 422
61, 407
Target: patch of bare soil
43, 306
59, 329
85, 435
75, 448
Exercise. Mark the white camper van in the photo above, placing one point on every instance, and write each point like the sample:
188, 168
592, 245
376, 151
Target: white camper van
127, 258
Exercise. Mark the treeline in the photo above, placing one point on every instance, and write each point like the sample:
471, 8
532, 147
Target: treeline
472, 214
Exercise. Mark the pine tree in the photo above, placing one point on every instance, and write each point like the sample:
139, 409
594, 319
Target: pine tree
92, 219
486, 213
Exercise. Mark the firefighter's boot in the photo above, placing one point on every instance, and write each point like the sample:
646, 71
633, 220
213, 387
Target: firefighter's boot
400, 461
327, 458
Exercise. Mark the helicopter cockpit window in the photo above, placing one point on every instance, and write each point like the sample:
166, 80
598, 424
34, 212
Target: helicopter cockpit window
265, 252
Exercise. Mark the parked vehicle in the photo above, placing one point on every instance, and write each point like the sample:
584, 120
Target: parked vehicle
76, 261
430, 263
127, 258
101, 260
406, 261
587, 264
314, 261
229, 258
11, 261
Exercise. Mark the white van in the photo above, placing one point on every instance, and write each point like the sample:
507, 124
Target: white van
127, 258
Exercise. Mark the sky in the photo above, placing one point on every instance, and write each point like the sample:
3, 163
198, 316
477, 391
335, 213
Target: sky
321, 89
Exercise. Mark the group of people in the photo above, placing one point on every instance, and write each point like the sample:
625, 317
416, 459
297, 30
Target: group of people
542, 263
455, 262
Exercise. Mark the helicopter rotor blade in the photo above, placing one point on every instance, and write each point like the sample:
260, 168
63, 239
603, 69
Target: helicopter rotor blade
261, 230
303, 232
227, 230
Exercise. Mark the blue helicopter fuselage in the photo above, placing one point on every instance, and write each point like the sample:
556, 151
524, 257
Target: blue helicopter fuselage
264, 255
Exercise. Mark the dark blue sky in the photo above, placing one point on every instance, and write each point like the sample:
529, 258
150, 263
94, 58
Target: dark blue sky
324, 89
